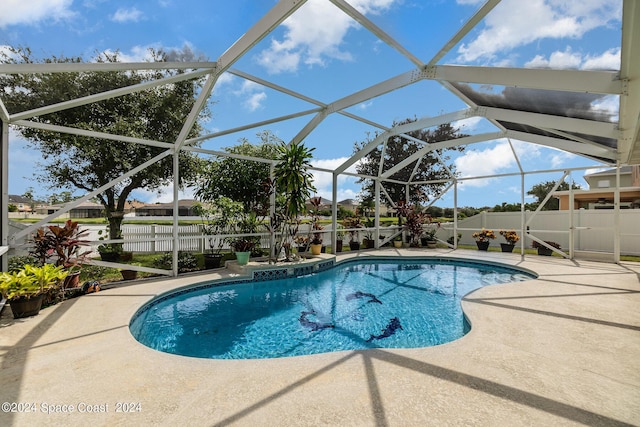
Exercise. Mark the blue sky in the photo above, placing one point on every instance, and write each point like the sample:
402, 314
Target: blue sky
321, 53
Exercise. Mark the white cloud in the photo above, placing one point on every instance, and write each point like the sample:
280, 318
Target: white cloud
609, 60
558, 60
127, 15
484, 162
516, 23
609, 104
136, 54
15, 12
161, 195
468, 125
253, 94
560, 158
255, 101
323, 181
314, 34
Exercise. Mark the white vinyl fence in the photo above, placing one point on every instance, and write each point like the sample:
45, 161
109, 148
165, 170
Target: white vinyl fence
593, 229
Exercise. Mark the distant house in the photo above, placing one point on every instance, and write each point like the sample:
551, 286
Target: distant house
349, 204
23, 204
87, 210
600, 193
185, 208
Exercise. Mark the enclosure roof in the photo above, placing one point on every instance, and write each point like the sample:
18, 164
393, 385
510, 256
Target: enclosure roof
550, 107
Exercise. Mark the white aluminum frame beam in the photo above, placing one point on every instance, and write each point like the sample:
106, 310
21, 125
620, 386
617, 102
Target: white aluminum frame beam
569, 124
563, 144
78, 67
106, 95
365, 22
464, 30
629, 142
603, 82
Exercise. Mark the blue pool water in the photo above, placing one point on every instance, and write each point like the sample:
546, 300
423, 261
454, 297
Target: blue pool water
368, 304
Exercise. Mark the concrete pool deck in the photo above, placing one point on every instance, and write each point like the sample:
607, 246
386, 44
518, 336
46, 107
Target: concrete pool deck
560, 350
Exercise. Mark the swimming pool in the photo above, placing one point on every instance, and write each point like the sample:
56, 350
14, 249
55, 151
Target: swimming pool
361, 304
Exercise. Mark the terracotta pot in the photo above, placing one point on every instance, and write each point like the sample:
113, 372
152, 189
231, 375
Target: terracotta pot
71, 281
129, 274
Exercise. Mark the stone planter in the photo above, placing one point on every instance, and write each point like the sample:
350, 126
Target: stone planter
483, 246
506, 247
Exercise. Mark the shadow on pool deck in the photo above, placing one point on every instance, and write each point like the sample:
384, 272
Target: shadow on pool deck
560, 350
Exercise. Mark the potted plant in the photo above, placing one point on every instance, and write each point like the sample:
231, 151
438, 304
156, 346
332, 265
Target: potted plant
429, 239
217, 218
339, 238
352, 225
242, 247
483, 238
315, 227
451, 239
25, 289
511, 237
397, 241
130, 274
414, 221
302, 243
62, 243
368, 241
543, 250
295, 181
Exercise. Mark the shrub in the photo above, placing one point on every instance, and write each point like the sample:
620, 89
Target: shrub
186, 261
17, 262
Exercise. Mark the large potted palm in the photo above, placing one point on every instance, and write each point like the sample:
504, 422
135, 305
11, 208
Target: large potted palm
295, 182
25, 288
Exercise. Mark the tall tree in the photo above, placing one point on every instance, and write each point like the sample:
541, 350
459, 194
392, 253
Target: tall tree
78, 162
540, 191
399, 148
239, 179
